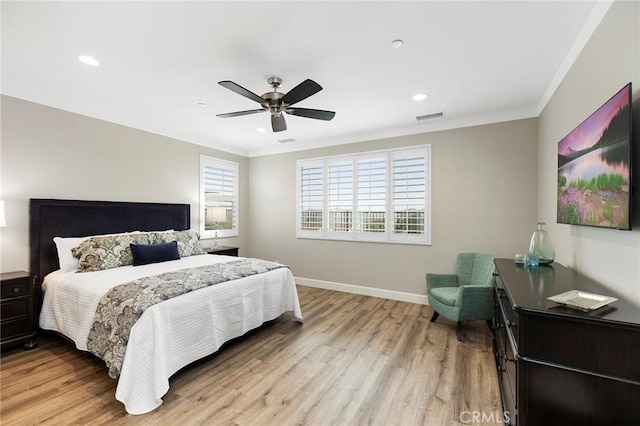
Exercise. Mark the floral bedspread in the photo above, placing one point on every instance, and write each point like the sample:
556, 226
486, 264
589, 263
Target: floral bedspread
121, 306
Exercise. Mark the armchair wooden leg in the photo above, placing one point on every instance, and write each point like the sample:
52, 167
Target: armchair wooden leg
459, 331
435, 316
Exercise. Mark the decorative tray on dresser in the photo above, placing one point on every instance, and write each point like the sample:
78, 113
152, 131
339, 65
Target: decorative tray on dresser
561, 365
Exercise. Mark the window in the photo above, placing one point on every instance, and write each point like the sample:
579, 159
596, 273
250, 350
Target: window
379, 196
218, 198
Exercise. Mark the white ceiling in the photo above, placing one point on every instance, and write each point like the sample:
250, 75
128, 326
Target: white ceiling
479, 62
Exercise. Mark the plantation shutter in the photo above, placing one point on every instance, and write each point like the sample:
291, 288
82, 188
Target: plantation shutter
409, 196
220, 189
381, 196
310, 198
371, 196
340, 196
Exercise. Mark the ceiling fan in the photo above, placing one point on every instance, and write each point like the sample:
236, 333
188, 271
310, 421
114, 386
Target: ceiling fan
277, 103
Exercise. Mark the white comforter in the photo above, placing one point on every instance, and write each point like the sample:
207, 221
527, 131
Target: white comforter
171, 334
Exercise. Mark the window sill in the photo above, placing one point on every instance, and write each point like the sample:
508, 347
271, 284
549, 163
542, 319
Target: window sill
356, 240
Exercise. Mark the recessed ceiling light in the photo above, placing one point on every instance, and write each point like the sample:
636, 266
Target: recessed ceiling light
89, 60
420, 97
396, 43
260, 129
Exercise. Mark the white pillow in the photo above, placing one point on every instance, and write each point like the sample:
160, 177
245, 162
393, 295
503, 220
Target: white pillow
67, 262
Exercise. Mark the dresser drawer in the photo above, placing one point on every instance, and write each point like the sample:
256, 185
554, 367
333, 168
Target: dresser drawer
16, 288
15, 327
580, 344
15, 308
506, 352
510, 320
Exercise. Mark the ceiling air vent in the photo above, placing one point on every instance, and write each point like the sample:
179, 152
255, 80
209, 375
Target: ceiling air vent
430, 116
286, 140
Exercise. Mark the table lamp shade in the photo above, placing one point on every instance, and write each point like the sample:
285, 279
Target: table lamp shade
3, 221
216, 214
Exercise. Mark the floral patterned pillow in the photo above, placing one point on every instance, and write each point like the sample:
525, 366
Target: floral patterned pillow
188, 241
106, 252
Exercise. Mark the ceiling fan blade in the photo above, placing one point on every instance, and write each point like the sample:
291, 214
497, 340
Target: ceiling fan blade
301, 91
318, 114
241, 91
240, 113
277, 123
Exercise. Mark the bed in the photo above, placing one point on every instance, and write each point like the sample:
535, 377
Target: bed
167, 335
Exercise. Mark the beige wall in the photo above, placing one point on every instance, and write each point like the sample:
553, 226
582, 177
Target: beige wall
484, 186
50, 153
610, 59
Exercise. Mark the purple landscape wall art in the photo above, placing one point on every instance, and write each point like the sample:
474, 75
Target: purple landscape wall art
594, 164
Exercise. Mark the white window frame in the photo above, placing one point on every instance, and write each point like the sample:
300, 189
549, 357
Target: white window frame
389, 235
228, 199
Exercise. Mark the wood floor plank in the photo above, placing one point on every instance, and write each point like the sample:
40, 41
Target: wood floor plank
355, 360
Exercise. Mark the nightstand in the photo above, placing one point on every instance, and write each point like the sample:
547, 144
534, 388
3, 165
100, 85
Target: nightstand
16, 310
226, 251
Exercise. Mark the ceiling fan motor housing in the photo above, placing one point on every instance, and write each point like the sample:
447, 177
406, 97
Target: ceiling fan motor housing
273, 102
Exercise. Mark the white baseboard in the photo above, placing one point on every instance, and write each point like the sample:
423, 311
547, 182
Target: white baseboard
365, 291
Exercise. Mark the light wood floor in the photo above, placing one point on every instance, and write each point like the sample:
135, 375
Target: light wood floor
355, 360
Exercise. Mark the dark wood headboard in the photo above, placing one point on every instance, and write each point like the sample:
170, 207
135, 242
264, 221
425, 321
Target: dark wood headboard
74, 218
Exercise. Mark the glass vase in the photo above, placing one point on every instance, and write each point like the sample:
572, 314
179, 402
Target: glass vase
541, 246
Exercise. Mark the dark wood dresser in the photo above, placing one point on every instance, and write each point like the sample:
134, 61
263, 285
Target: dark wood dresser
16, 310
558, 365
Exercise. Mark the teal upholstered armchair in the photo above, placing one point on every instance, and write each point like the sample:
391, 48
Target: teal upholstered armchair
465, 296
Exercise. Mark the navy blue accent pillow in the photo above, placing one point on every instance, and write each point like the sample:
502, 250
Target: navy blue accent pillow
144, 254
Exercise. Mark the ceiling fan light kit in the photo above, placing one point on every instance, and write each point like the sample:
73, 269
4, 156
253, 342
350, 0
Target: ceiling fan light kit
278, 103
